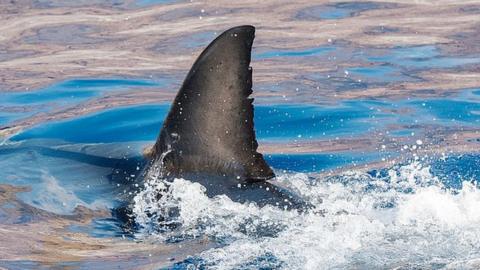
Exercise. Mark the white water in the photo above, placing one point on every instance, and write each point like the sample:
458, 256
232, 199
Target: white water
405, 220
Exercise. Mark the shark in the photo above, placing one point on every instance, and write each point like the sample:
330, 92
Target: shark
208, 135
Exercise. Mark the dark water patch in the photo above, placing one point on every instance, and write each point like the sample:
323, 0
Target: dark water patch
340, 10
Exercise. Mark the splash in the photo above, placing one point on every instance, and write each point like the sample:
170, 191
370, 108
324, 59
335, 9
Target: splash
403, 217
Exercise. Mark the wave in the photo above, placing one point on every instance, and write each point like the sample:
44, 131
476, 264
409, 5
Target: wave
403, 217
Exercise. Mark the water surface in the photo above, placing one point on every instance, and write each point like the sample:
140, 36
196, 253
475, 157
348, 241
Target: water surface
367, 111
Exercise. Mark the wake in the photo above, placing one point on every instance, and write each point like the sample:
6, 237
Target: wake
401, 217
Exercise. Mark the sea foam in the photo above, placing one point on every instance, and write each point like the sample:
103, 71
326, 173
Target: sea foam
402, 218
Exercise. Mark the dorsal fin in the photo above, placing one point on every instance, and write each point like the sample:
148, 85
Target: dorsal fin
209, 128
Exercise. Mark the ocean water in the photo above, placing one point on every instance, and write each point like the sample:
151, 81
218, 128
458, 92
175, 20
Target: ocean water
418, 212
389, 181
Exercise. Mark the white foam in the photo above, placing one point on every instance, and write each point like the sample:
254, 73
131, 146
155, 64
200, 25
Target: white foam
405, 219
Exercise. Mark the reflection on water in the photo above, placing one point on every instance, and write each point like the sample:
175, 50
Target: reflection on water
340, 10
392, 181
294, 53
421, 57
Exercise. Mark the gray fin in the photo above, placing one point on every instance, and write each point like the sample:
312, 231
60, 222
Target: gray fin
209, 128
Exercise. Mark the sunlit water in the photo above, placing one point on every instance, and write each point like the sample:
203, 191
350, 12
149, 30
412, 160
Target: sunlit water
416, 210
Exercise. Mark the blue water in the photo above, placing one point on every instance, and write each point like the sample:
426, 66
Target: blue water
135, 123
281, 122
396, 216
320, 162
94, 160
73, 91
63, 161
273, 122
21, 104
7, 117
467, 112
